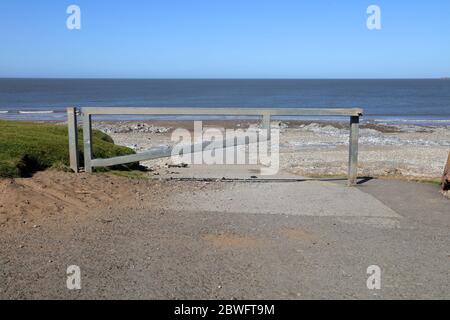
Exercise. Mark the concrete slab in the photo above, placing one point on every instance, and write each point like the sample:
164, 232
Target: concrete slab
224, 171
308, 198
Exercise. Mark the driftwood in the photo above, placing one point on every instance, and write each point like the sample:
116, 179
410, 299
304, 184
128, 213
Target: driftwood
446, 177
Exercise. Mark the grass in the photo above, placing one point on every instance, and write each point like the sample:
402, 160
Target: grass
429, 180
27, 147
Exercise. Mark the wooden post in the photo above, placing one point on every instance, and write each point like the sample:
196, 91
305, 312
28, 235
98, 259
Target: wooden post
353, 151
446, 176
73, 139
87, 139
266, 124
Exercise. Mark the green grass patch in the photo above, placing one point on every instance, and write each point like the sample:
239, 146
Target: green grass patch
429, 180
27, 147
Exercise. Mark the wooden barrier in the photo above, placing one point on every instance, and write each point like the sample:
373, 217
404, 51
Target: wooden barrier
265, 113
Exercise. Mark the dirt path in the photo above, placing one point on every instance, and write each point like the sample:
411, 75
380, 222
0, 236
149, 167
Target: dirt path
153, 239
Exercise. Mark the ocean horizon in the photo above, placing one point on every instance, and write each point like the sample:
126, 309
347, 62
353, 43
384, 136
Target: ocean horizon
396, 100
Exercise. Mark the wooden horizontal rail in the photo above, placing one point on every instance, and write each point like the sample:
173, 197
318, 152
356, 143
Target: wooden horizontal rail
166, 151
342, 112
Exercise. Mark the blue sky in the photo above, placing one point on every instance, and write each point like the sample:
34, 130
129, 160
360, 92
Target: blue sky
225, 39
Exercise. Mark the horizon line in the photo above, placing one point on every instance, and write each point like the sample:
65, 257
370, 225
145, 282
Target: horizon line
139, 78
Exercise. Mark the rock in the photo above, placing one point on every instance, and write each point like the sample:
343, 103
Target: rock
133, 146
283, 125
133, 128
179, 165
446, 178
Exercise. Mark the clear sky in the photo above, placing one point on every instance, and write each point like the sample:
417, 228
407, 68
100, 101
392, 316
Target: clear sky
225, 39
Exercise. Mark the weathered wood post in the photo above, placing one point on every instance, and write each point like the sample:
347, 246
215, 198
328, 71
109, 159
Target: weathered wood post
353, 151
446, 177
266, 124
87, 139
73, 139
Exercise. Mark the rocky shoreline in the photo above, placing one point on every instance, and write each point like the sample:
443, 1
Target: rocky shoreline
315, 148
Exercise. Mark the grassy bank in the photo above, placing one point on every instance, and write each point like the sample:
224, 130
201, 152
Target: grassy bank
27, 147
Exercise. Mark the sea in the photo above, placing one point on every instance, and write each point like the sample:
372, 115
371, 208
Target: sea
398, 101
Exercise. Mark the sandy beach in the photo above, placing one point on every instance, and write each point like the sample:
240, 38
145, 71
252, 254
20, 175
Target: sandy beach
316, 148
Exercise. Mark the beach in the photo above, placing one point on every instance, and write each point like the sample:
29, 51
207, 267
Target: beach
315, 149
404, 130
